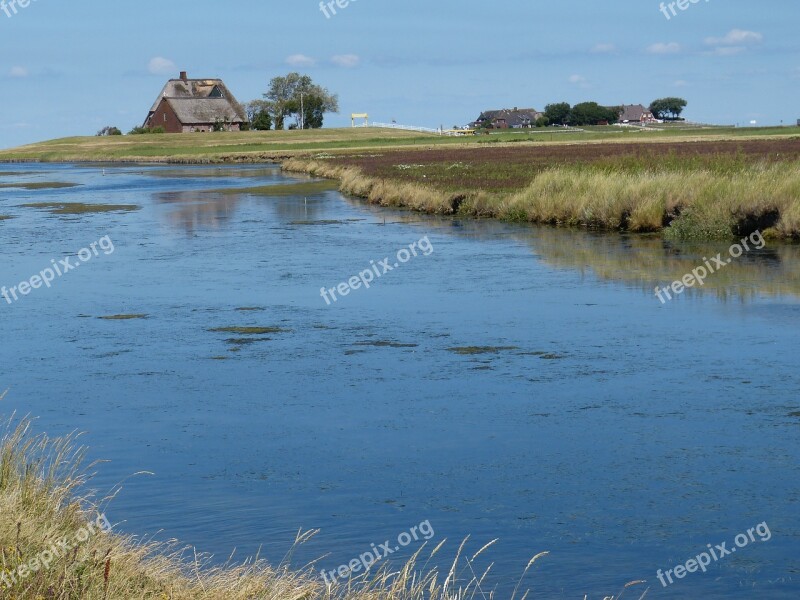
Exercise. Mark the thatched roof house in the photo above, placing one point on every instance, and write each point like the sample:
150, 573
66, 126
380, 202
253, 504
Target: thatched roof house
188, 105
516, 118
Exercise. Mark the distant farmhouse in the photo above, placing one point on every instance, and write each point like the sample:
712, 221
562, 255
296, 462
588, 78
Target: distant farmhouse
636, 113
514, 118
189, 105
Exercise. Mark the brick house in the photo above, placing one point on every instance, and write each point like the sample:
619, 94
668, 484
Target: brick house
516, 118
189, 105
636, 113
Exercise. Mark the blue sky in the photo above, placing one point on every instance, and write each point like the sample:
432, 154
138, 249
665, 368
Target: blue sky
71, 67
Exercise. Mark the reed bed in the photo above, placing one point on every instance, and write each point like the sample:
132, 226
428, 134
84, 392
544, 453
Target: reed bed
684, 198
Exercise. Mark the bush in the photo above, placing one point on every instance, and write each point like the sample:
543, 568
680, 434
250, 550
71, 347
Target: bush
108, 130
145, 130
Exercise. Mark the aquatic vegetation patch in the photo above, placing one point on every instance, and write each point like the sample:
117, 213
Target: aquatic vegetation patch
250, 330
5, 217
245, 341
385, 344
124, 317
80, 208
250, 308
39, 185
473, 350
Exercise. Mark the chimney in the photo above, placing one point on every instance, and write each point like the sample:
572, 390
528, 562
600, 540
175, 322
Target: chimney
183, 76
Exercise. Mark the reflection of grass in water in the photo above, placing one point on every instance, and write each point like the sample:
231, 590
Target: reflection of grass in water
309, 188
649, 261
249, 330
80, 208
39, 185
123, 317
472, 350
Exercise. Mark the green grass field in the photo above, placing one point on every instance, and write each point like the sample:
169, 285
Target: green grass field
255, 146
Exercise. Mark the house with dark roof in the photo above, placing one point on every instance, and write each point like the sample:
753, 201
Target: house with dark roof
636, 113
189, 105
516, 118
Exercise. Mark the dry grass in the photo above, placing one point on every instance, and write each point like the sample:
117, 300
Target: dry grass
695, 202
40, 480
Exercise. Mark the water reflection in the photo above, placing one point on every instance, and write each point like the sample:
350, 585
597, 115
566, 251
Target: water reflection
642, 261
192, 211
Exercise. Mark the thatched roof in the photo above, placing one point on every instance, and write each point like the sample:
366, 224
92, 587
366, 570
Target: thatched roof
198, 101
203, 110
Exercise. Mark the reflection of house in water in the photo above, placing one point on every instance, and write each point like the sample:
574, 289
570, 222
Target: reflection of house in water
191, 211
198, 210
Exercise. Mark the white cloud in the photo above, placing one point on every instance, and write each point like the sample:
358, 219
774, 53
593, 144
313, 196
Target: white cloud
664, 48
300, 60
604, 49
161, 66
579, 80
347, 61
18, 72
680, 83
736, 37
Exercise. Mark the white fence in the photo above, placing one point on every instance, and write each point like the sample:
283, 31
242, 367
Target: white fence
406, 127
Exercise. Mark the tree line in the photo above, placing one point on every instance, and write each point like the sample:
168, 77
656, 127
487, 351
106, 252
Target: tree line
592, 113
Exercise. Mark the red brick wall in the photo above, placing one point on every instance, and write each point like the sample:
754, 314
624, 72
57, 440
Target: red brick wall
165, 117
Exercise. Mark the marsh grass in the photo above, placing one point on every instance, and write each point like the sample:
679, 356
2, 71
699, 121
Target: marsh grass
43, 499
688, 197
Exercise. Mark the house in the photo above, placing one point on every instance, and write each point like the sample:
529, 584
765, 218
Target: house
516, 118
636, 113
188, 105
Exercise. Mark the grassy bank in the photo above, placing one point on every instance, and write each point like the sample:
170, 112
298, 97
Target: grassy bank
56, 543
688, 191
261, 146
691, 183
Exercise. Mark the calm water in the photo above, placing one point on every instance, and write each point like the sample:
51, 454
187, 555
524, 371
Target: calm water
620, 434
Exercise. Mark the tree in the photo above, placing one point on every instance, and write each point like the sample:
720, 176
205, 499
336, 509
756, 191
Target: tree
108, 130
258, 115
591, 113
286, 95
557, 114
669, 109
542, 122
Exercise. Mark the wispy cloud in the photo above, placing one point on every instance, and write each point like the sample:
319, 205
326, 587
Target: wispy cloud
734, 42
347, 61
579, 80
18, 72
300, 60
664, 48
604, 49
736, 37
680, 83
161, 66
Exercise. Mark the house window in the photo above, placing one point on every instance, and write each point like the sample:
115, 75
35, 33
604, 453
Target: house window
165, 117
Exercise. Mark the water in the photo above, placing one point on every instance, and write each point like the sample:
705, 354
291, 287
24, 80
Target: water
587, 419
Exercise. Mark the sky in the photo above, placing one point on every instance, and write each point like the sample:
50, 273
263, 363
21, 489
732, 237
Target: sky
72, 67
